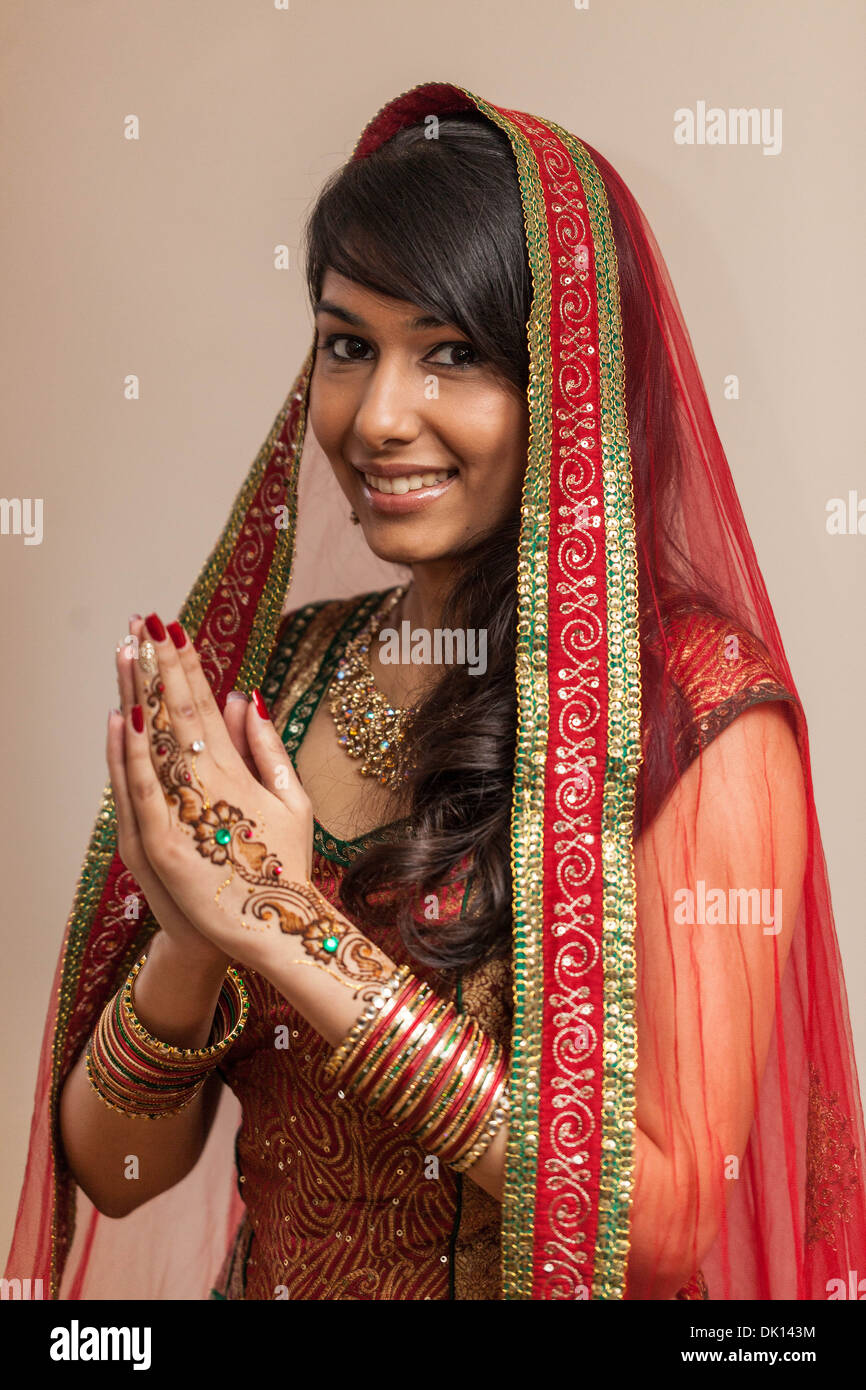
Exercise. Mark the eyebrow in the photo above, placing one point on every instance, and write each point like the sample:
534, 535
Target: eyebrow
327, 306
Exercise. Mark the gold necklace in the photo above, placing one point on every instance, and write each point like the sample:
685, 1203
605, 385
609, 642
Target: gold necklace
368, 725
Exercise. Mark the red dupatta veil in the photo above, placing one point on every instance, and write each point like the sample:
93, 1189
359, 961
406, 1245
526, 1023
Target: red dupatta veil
629, 670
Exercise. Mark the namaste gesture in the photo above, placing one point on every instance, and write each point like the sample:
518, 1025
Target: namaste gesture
214, 822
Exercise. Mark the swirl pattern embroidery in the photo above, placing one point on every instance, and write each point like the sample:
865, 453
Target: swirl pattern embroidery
575, 564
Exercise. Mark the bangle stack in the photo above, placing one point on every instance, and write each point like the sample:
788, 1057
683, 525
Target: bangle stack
136, 1074
430, 1070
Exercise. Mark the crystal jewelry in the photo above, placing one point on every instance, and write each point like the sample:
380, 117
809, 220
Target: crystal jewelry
368, 726
147, 658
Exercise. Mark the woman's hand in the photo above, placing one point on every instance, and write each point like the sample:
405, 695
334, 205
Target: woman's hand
209, 838
190, 944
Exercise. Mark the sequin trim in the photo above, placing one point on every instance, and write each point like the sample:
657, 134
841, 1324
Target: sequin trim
623, 757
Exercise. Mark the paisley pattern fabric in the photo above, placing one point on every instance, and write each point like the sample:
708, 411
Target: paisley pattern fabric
340, 1205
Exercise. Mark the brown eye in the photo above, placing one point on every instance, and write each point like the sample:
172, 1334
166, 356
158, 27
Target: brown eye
461, 354
354, 351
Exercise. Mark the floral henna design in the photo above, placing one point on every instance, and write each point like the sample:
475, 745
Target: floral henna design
224, 835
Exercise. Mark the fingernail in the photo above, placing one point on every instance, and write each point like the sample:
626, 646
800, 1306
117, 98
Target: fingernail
177, 635
138, 719
155, 627
260, 704
134, 618
236, 695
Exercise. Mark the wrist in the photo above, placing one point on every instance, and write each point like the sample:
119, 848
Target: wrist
177, 992
199, 961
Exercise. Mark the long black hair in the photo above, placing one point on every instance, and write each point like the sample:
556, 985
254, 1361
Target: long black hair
439, 222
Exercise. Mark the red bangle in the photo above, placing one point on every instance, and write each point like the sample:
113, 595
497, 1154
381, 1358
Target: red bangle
372, 1078
463, 1095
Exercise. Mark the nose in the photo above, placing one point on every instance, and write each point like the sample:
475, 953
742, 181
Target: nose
389, 407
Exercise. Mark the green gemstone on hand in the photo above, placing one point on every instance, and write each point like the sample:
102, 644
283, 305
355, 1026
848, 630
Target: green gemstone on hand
222, 836
330, 943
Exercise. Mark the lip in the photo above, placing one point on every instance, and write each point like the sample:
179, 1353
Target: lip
398, 504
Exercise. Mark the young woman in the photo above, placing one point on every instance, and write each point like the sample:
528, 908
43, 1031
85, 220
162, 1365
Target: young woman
523, 969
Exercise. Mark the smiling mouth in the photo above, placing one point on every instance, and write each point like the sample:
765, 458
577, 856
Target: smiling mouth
409, 482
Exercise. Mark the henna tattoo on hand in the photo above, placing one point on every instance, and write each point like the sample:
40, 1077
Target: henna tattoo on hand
226, 836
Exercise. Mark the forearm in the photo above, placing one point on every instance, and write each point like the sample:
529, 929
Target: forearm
122, 1161
332, 1004
673, 1221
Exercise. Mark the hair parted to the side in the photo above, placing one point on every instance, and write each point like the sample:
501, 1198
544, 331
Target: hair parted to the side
439, 222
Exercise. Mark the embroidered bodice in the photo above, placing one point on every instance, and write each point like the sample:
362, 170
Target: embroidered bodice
339, 1204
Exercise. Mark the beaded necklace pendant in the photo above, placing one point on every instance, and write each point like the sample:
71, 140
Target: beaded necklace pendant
368, 726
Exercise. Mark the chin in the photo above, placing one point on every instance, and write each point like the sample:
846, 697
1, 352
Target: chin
406, 555
404, 552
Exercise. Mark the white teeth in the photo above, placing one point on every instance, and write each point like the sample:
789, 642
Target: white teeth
410, 483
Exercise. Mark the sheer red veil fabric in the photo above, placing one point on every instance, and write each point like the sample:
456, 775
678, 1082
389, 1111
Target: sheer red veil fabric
684, 1092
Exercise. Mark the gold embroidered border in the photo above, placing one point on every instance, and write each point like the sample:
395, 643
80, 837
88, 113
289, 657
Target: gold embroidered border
623, 756
261, 639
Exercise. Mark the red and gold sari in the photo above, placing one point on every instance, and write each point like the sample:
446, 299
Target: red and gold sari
629, 679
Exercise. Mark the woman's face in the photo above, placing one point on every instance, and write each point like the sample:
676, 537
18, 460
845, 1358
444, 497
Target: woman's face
400, 398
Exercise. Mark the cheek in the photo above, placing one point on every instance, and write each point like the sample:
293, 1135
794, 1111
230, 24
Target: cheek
330, 412
495, 440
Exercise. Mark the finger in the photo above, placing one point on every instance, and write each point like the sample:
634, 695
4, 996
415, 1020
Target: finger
272, 761
167, 699
148, 803
208, 713
235, 716
127, 650
127, 828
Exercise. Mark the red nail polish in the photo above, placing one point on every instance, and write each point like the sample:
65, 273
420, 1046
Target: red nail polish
177, 635
260, 704
155, 627
138, 719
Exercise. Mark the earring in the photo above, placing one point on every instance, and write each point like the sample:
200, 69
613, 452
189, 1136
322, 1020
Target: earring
354, 518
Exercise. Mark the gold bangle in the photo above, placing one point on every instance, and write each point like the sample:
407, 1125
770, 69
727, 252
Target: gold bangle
341, 1053
416, 1038
499, 1116
463, 1138
409, 1111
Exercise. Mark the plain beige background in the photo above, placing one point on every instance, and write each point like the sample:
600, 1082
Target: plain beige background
157, 257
